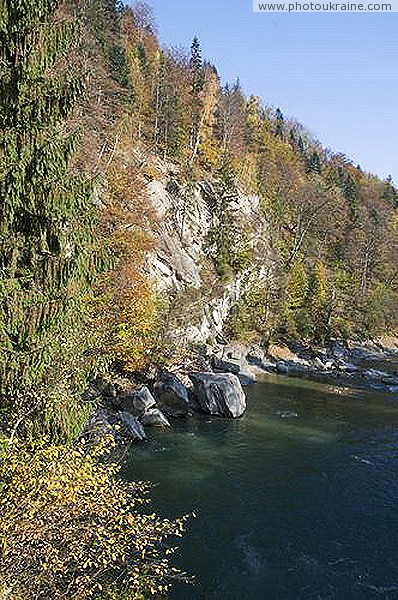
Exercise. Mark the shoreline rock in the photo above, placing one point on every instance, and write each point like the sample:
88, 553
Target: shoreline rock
171, 395
352, 364
219, 394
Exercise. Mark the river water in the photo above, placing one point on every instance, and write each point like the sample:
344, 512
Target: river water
298, 499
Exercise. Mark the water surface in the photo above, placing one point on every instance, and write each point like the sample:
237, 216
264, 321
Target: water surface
296, 500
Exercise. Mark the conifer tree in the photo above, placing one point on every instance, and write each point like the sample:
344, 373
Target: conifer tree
280, 122
47, 248
197, 84
318, 301
351, 195
314, 163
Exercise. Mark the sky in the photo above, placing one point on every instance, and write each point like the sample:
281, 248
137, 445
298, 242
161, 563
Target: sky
337, 74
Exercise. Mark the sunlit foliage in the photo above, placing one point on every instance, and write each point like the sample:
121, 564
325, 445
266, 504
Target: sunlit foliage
71, 528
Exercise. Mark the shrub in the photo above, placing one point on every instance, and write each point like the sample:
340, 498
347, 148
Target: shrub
70, 528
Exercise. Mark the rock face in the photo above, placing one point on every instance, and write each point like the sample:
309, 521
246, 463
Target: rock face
172, 395
137, 402
181, 242
219, 394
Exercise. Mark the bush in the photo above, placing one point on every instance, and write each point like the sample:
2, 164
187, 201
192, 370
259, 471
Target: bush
70, 528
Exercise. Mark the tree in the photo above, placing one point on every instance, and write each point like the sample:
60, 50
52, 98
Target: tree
166, 110
296, 294
318, 301
314, 163
144, 17
280, 123
197, 84
47, 247
226, 240
209, 148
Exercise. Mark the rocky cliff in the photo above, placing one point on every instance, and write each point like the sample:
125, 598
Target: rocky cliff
181, 264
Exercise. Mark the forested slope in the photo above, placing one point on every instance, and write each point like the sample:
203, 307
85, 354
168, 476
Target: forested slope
94, 112
146, 208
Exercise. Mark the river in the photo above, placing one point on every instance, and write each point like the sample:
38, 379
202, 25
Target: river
298, 499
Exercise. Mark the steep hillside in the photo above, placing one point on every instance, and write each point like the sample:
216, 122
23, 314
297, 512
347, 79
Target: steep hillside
260, 231
208, 214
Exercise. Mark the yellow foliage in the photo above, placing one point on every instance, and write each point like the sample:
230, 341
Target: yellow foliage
245, 168
126, 308
71, 528
210, 154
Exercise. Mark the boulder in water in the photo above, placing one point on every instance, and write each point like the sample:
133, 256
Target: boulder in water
133, 427
219, 394
155, 418
172, 395
137, 402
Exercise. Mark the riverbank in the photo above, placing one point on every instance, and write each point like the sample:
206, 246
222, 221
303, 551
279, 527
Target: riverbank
212, 382
373, 364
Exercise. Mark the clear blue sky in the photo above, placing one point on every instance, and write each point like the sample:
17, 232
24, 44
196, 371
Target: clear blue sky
337, 74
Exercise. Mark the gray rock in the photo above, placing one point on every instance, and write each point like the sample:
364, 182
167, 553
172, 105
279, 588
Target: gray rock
235, 352
375, 374
319, 364
247, 378
338, 350
255, 355
99, 424
297, 369
228, 366
390, 380
137, 402
155, 418
233, 360
172, 395
282, 367
219, 394
132, 426
347, 367
105, 388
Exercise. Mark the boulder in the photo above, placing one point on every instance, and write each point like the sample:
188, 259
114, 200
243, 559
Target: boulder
319, 364
282, 367
155, 418
132, 426
233, 360
172, 395
137, 402
338, 349
219, 394
255, 354
347, 367
234, 352
230, 365
247, 377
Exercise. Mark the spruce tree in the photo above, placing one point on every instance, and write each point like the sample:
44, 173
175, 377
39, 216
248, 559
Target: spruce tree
197, 85
314, 163
280, 123
351, 195
48, 254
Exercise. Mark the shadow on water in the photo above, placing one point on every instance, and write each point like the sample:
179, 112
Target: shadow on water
296, 500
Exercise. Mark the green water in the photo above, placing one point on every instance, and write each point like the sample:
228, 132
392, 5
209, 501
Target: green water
296, 500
